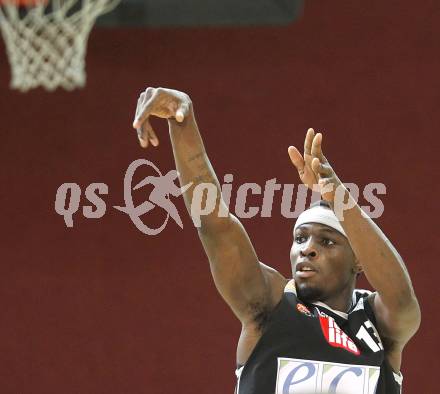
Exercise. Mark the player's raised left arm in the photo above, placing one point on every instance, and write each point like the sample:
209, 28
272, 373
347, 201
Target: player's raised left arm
396, 308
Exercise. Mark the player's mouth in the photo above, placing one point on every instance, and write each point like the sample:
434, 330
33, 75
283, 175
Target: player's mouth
305, 270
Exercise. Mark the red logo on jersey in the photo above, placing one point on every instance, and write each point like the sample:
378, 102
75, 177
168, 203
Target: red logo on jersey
335, 336
303, 309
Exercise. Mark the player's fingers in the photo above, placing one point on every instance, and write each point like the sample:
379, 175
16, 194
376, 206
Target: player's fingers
317, 147
139, 103
296, 158
308, 141
153, 137
148, 93
146, 108
316, 165
182, 112
142, 141
146, 134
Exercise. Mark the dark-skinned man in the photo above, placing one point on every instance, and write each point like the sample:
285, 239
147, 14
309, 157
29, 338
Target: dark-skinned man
313, 333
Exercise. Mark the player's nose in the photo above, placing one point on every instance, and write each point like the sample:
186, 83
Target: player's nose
309, 250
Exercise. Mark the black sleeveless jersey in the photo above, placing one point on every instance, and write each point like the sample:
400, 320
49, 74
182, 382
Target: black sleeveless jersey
310, 348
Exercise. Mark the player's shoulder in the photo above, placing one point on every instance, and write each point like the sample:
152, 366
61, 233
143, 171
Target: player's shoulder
363, 299
276, 283
273, 274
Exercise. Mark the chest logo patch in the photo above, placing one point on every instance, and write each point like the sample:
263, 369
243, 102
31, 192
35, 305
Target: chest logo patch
335, 336
303, 309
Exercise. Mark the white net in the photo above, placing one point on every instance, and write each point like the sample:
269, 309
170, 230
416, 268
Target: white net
46, 42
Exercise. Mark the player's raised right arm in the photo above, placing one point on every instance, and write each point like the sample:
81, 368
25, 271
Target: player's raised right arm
247, 286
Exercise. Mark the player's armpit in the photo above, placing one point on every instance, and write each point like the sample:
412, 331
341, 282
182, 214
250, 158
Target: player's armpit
396, 325
248, 287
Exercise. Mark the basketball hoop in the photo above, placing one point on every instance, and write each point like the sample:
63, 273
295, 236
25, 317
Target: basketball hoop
46, 40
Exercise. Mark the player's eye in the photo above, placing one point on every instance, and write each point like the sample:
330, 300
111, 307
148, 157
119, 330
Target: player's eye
328, 242
300, 239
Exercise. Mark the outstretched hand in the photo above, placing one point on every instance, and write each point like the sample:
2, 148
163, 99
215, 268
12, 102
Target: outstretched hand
313, 168
160, 102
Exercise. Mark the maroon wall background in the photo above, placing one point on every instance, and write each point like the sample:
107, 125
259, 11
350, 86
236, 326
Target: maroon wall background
102, 308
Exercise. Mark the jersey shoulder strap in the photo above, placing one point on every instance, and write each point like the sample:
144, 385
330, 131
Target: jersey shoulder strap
361, 302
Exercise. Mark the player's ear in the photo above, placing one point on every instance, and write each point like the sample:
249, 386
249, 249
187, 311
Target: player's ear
357, 267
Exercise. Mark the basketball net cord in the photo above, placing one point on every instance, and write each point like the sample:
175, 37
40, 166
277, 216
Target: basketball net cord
46, 42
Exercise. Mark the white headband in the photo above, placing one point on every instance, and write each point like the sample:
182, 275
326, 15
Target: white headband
319, 214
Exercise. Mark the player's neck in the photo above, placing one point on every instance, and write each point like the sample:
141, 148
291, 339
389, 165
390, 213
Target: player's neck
341, 302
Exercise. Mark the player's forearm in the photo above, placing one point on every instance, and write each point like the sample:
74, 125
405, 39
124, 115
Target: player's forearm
194, 166
382, 264
234, 264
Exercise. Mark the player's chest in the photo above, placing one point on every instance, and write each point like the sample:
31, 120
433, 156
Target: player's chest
315, 330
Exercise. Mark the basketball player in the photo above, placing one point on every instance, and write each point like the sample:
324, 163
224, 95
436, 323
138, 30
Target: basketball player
313, 333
